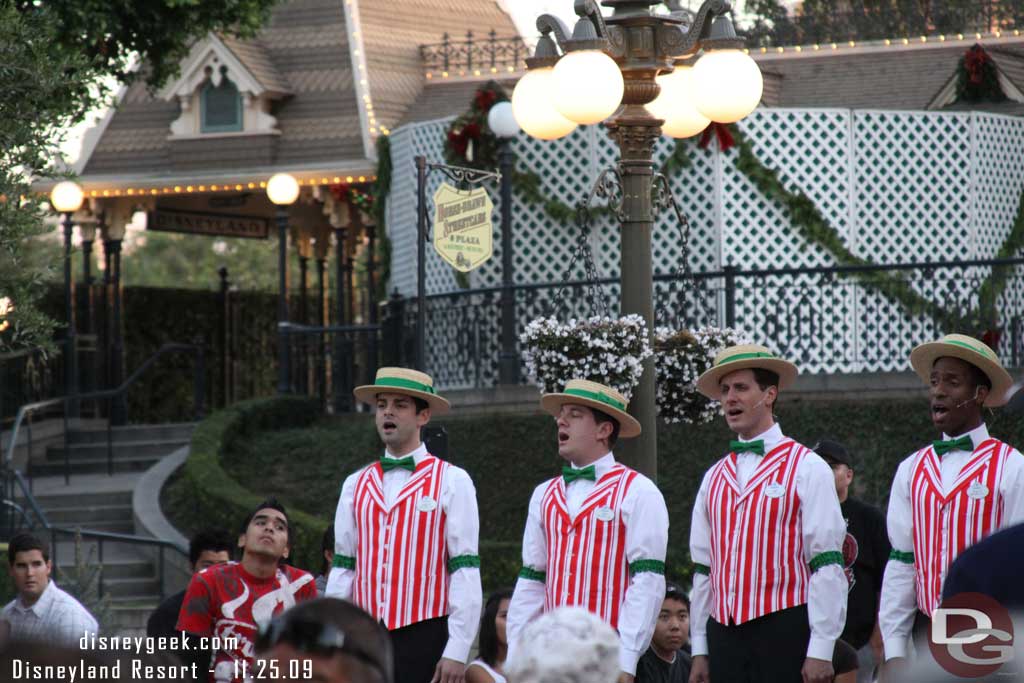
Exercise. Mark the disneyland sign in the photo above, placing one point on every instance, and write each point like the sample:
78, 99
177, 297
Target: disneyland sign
211, 224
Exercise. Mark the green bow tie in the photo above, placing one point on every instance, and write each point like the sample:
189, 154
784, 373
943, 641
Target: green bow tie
964, 443
406, 463
570, 475
755, 447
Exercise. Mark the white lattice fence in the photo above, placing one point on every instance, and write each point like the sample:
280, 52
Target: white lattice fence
896, 187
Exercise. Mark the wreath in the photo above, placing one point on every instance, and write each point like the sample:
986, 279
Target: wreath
469, 141
359, 199
977, 78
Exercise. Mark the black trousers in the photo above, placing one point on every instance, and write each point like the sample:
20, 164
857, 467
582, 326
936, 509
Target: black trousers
771, 649
418, 648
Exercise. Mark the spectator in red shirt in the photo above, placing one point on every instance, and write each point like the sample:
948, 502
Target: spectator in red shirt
229, 603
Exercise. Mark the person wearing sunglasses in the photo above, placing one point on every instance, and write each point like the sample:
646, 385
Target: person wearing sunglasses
324, 641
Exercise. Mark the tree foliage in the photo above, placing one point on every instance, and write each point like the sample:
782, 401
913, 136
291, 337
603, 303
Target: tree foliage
57, 62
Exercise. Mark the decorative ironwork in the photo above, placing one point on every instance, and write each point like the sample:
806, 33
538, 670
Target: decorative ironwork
463, 175
464, 57
685, 281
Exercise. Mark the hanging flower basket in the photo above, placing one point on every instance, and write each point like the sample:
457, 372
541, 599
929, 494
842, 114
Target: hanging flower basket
680, 357
600, 349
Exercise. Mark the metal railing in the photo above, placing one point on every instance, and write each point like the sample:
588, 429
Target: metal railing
27, 412
329, 361
491, 55
837, 319
14, 483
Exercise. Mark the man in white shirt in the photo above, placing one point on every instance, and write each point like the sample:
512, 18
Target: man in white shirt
596, 536
769, 592
966, 481
42, 611
406, 537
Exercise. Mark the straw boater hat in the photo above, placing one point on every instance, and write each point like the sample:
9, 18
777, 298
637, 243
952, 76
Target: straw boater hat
970, 350
597, 396
742, 357
403, 381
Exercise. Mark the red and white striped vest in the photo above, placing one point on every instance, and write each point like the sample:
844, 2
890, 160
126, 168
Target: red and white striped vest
757, 551
586, 563
401, 573
946, 524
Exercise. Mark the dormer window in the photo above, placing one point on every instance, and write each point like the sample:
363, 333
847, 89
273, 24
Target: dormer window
220, 106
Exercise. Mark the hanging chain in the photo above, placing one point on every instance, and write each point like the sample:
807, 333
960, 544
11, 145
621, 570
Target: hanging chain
664, 199
608, 186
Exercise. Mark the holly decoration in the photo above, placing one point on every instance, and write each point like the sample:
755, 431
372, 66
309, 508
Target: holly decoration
977, 77
358, 198
469, 141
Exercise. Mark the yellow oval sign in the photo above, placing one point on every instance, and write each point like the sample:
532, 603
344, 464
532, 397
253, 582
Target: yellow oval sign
463, 228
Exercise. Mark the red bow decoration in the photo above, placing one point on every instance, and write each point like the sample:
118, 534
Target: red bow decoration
991, 338
459, 140
345, 192
974, 62
485, 99
721, 131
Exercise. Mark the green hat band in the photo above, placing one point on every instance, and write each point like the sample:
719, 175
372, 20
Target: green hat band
596, 396
967, 346
746, 356
400, 383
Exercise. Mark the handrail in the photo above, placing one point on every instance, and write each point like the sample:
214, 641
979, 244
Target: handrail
706, 275
169, 347
17, 479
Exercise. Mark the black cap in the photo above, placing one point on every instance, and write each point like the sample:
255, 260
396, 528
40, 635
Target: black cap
834, 453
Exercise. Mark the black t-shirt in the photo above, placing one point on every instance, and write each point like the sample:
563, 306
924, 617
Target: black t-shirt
865, 552
653, 669
165, 617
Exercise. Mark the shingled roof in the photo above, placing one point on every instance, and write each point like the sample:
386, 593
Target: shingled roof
304, 54
875, 76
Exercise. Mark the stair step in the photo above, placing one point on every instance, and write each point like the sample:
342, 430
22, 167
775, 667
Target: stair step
116, 569
95, 465
85, 515
180, 431
53, 501
121, 450
137, 588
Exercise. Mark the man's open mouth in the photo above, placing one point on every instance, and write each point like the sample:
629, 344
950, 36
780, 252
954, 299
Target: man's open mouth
939, 409
389, 425
733, 412
563, 437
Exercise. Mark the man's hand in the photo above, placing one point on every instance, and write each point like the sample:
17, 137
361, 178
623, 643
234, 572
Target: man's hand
876, 643
817, 671
625, 677
449, 671
699, 670
894, 670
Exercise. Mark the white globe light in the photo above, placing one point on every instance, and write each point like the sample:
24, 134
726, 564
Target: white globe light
676, 104
502, 121
533, 105
282, 189
588, 86
727, 84
66, 196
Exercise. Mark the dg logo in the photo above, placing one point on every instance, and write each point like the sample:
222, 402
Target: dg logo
971, 635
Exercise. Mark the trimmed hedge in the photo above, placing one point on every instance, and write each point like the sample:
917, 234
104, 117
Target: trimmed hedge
507, 455
209, 496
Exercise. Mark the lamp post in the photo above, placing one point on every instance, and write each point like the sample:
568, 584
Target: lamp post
619, 71
66, 197
502, 122
282, 190
113, 230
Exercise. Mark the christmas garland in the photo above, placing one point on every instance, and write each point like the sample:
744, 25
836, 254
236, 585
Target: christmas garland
977, 78
469, 141
811, 225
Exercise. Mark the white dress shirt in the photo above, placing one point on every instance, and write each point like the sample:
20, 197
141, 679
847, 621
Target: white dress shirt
56, 617
646, 519
823, 530
462, 532
898, 605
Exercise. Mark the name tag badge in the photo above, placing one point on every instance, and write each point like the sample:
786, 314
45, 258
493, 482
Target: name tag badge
426, 504
775, 490
977, 491
605, 514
